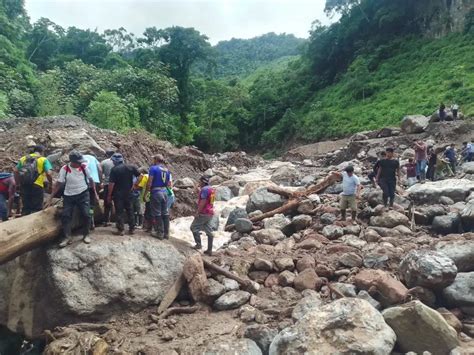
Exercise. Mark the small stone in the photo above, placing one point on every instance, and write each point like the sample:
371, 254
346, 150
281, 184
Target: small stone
309, 243
305, 305
306, 262
350, 260
366, 296
268, 236
215, 288
301, 222
305, 207
371, 235
307, 280
263, 265
445, 200
324, 271
352, 229
333, 232
271, 280
347, 290
230, 285
262, 335
243, 225
258, 276
231, 300
327, 218
284, 264
286, 278
247, 313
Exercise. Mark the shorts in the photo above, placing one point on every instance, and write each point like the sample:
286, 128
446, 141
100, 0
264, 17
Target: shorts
348, 202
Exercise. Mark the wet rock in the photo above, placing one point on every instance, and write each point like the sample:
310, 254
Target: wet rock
431, 192
420, 328
286, 278
447, 224
223, 193
333, 232
414, 124
307, 280
278, 221
262, 335
231, 300
460, 251
243, 225
305, 305
327, 218
236, 214
389, 219
461, 293
301, 222
284, 264
332, 329
263, 265
350, 260
364, 295
264, 201
391, 290
306, 262
185, 183
268, 236
428, 269
233, 346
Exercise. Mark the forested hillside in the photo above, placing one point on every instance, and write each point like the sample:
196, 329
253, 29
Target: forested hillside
381, 60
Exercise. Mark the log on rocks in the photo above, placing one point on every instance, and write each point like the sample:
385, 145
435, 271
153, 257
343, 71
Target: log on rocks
249, 285
171, 294
20, 235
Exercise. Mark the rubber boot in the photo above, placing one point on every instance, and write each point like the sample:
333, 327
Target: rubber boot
140, 221
343, 215
166, 227
197, 239
157, 231
210, 239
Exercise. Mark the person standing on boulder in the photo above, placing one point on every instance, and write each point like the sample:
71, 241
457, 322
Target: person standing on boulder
373, 174
204, 215
442, 112
120, 191
95, 170
421, 152
389, 171
7, 195
455, 110
30, 173
432, 160
350, 192
106, 166
159, 179
450, 154
76, 180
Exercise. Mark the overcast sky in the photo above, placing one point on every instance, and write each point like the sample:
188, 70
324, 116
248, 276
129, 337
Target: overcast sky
218, 19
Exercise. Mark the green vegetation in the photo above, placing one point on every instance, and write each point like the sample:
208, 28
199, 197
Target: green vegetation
363, 72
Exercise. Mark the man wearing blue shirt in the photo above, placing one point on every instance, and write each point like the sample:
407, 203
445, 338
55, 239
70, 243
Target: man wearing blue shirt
159, 179
450, 154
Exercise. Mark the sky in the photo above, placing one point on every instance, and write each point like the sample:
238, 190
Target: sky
218, 19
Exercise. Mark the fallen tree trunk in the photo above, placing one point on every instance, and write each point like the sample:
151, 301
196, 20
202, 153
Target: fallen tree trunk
295, 198
20, 235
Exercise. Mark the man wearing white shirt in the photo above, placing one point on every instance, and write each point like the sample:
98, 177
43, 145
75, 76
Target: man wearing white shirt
350, 192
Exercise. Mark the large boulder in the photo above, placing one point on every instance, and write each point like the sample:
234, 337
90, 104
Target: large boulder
235, 215
431, 192
468, 167
264, 201
427, 268
425, 215
414, 124
447, 224
285, 175
460, 251
52, 287
375, 197
223, 193
389, 219
345, 326
461, 293
278, 221
420, 328
467, 216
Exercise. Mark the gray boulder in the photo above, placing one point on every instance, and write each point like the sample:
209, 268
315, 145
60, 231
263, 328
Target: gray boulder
306, 304
431, 192
468, 167
461, 293
223, 193
333, 232
185, 183
375, 197
467, 217
425, 215
345, 326
389, 219
447, 224
301, 222
460, 251
278, 221
231, 300
242, 346
236, 214
285, 175
427, 268
264, 201
243, 225
89, 282
414, 124
420, 328
268, 236
328, 218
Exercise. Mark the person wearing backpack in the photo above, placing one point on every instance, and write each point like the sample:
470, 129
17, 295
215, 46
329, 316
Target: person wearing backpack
76, 179
159, 179
7, 195
30, 173
205, 213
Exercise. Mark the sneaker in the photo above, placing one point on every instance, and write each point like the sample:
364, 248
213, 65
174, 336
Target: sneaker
118, 232
65, 242
197, 247
86, 240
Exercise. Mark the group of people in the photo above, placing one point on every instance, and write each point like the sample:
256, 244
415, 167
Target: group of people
443, 115
124, 188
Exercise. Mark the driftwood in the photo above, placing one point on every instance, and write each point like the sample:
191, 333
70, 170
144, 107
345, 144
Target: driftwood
172, 294
226, 273
178, 310
294, 198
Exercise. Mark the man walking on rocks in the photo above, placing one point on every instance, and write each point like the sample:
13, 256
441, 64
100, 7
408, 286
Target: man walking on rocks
30, 174
106, 166
420, 157
75, 179
389, 171
204, 215
159, 179
450, 154
120, 190
350, 193
95, 170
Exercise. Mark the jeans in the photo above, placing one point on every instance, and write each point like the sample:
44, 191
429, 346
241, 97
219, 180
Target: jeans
388, 188
159, 211
430, 174
82, 202
32, 197
137, 209
203, 223
3, 207
107, 204
452, 164
421, 169
123, 204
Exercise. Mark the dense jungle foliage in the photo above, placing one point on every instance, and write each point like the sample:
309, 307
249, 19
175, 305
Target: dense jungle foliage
364, 71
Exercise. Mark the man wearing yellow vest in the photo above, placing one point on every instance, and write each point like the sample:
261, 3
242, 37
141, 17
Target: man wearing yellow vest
30, 174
